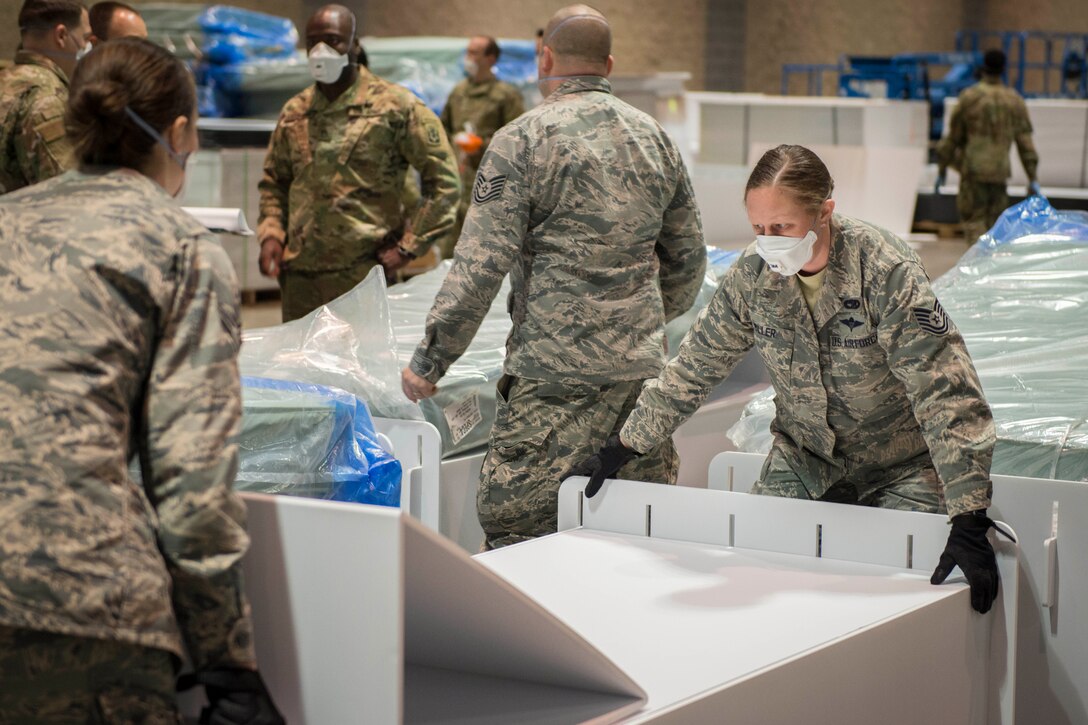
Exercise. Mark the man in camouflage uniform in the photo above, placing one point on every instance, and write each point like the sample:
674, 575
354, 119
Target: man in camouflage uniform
987, 119
477, 107
33, 92
110, 20
120, 342
334, 178
585, 201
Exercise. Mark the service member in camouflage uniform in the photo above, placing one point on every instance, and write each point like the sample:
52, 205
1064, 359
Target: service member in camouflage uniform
477, 107
877, 400
334, 177
585, 201
33, 92
987, 119
121, 334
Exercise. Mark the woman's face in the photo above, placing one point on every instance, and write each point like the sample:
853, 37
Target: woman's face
774, 212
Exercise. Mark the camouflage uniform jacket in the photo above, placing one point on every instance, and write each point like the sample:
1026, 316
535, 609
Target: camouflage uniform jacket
488, 106
121, 335
33, 143
334, 176
877, 376
987, 119
585, 201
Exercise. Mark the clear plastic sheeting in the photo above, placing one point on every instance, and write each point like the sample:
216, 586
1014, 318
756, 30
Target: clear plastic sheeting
346, 344
1019, 296
463, 410
314, 441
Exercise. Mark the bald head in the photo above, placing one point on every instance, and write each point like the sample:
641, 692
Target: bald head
111, 20
334, 19
579, 34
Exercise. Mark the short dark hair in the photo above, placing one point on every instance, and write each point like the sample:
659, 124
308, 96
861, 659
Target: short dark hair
102, 15
993, 63
37, 15
492, 48
131, 73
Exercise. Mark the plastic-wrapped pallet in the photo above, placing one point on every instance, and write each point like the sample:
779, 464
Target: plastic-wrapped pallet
314, 441
1020, 298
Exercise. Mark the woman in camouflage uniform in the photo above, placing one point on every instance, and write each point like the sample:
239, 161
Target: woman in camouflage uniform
877, 400
120, 341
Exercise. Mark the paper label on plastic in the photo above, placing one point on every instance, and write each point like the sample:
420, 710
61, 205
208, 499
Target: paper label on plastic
463, 416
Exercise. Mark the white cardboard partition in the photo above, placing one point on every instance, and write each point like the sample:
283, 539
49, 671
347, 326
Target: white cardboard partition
363, 615
418, 446
1051, 520
765, 636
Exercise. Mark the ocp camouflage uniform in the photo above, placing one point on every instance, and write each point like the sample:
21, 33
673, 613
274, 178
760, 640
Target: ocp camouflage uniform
121, 333
877, 400
987, 119
33, 143
488, 106
585, 201
334, 182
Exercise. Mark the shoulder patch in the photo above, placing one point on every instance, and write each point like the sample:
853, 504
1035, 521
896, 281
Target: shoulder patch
932, 320
434, 136
488, 189
51, 130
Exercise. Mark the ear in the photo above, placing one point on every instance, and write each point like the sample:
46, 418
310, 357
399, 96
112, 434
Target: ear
547, 61
94, 40
60, 34
608, 66
826, 210
178, 134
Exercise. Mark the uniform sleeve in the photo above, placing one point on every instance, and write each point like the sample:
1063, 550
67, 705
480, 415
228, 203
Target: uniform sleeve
1025, 146
447, 116
428, 151
928, 355
274, 187
717, 341
681, 250
42, 146
950, 148
189, 457
490, 243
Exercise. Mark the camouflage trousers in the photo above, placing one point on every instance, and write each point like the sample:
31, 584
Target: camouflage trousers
980, 204
909, 486
51, 679
541, 430
304, 292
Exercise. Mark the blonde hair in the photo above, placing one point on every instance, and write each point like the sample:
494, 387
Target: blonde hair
796, 170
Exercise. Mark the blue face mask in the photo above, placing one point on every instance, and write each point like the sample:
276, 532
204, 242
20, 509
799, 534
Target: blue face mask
180, 159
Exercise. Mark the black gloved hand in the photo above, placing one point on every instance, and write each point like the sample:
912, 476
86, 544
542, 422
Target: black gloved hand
235, 697
601, 465
969, 548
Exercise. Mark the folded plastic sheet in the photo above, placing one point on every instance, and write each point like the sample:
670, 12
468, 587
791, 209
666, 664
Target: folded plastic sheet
347, 344
1019, 296
314, 441
463, 410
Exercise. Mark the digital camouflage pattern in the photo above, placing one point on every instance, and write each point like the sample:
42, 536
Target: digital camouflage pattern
33, 142
121, 335
55, 679
334, 177
988, 118
874, 387
586, 203
541, 431
487, 106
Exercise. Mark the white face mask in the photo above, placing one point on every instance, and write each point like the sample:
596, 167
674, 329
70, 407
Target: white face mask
82, 52
786, 255
326, 65
471, 67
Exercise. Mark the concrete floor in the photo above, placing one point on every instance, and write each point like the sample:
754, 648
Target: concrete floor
938, 256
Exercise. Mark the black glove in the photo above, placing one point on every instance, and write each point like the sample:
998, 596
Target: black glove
969, 548
603, 464
235, 697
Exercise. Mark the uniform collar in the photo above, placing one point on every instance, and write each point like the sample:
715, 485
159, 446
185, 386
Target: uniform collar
843, 278
30, 57
353, 95
582, 84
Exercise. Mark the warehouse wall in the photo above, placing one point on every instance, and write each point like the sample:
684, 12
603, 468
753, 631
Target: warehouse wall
700, 36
